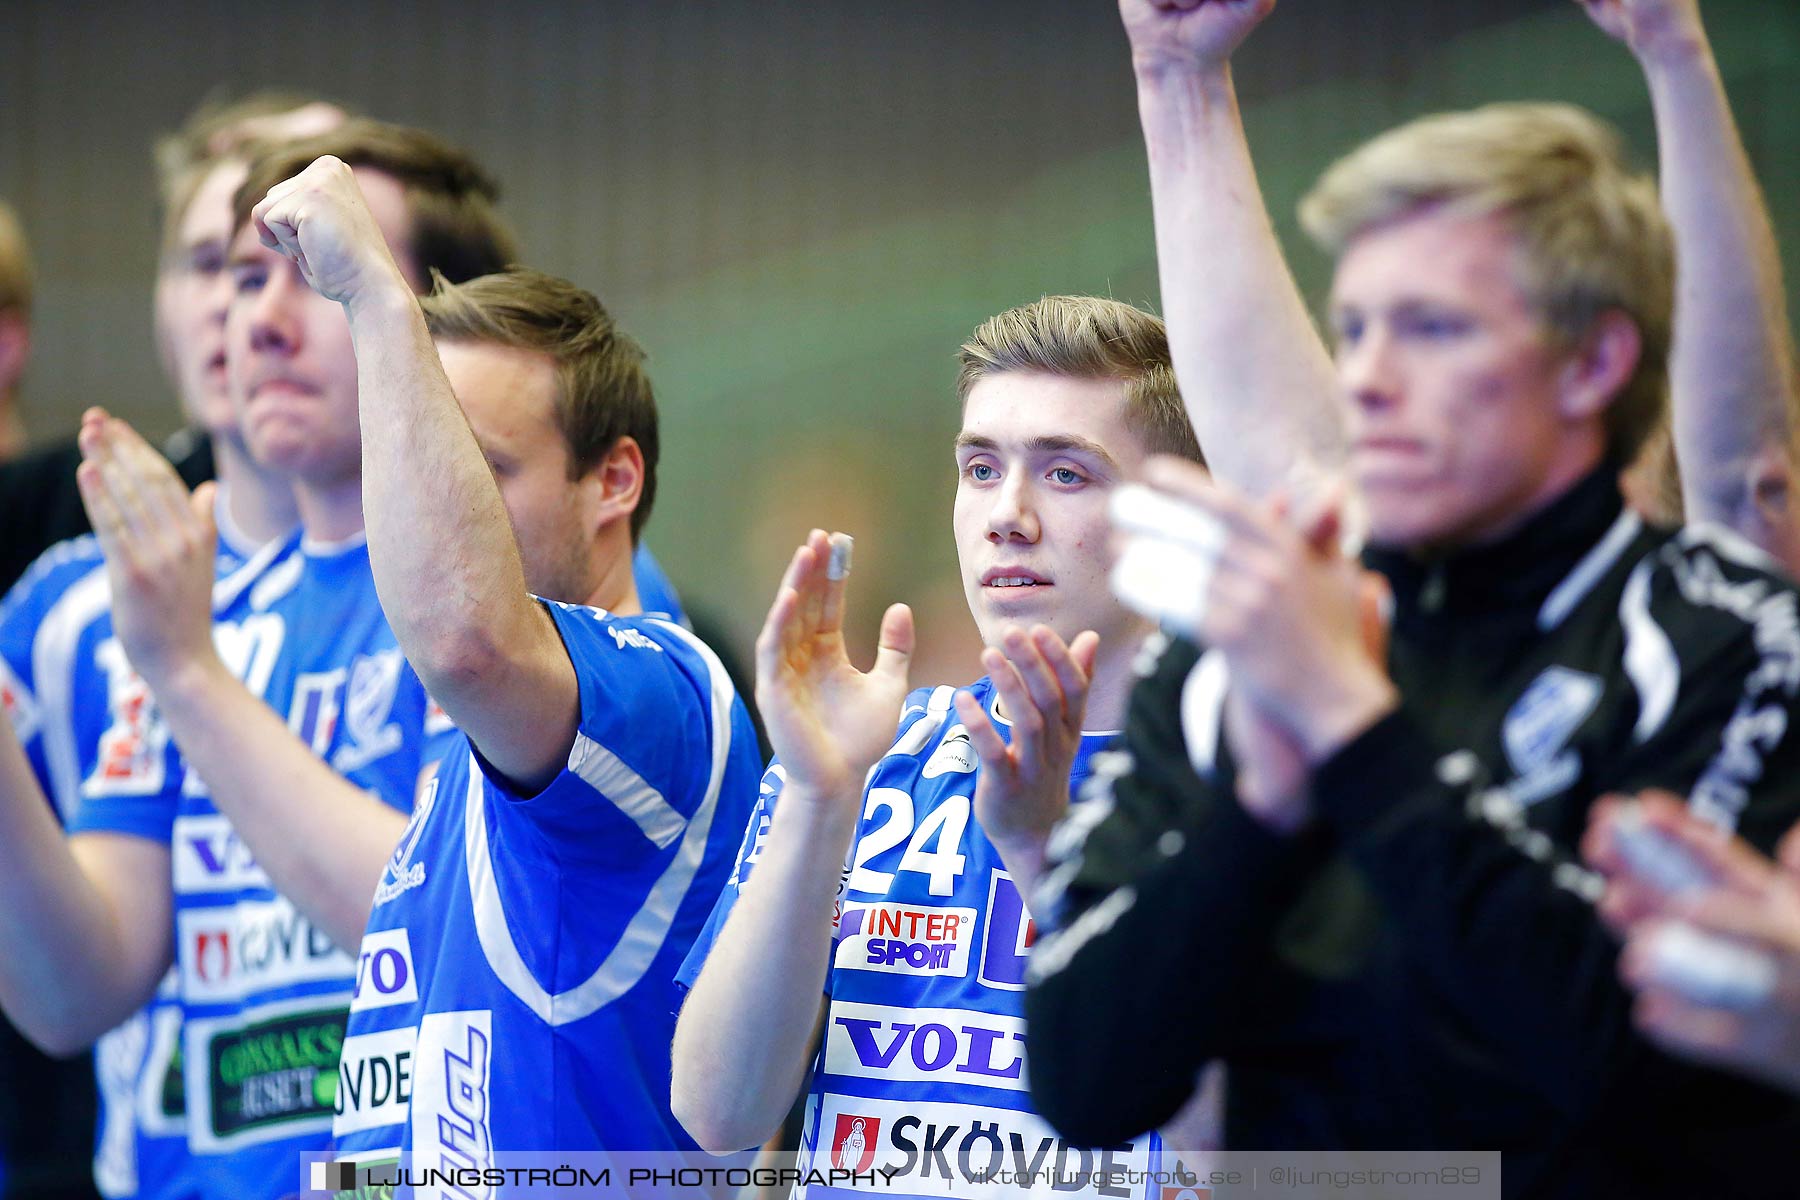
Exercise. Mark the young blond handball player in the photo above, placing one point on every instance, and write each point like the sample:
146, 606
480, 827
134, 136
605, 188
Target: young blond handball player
1500, 310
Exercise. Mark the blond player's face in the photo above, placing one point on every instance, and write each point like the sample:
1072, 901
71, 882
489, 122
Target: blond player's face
1452, 382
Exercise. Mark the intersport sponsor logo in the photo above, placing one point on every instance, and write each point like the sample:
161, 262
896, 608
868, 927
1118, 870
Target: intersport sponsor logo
233, 953
904, 939
926, 1045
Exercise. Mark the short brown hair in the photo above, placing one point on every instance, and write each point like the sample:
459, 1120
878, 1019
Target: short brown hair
455, 228
1088, 337
603, 392
1592, 233
15, 265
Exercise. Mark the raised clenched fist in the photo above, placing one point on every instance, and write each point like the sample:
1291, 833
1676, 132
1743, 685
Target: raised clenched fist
320, 220
1189, 34
1652, 28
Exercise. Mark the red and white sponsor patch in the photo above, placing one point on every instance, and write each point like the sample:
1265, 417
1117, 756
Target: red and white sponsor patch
905, 939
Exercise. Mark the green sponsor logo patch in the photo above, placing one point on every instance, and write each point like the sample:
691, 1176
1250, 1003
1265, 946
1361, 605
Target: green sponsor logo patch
282, 1069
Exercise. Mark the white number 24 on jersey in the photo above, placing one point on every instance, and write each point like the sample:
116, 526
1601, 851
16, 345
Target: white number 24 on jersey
933, 849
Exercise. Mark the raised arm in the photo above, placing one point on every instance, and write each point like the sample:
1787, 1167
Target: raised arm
741, 1045
84, 922
1257, 380
1732, 364
446, 565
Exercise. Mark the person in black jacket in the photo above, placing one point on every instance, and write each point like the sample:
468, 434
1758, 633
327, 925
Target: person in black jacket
1353, 880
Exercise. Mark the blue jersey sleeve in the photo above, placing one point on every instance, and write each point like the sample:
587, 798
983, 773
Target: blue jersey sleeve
34, 620
651, 720
620, 856
748, 852
74, 704
19, 618
146, 814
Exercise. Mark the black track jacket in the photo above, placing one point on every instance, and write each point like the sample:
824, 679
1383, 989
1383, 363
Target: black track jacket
1423, 968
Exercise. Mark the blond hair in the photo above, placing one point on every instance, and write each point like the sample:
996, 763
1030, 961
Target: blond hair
1592, 234
603, 392
15, 264
1088, 337
216, 130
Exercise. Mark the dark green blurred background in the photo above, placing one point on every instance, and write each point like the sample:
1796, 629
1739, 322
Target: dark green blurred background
801, 208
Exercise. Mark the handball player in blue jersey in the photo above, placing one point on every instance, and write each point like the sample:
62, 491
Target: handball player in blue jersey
240, 855
515, 986
876, 912
81, 713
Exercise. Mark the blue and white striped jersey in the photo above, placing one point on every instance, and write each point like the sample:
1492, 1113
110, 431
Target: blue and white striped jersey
515, 986
263, 992
921, 1071
88, 727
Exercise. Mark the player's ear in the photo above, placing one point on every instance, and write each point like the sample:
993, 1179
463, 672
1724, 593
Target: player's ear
1600, 366
617, 482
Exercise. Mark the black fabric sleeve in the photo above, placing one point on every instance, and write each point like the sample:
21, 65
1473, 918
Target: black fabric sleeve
42, 507
1499, 922
1160, 917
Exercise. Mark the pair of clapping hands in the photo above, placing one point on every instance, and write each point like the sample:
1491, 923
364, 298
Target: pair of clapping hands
1273, 587
1711, 927
1711, 930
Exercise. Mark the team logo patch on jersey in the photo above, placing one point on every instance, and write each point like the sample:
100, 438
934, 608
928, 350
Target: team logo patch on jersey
368, 704
1544, 718
624, 637
955, 754
209, 856
264, 1077
384, 971
402, 874
901, 939
966, 1151
374, 1082
451, 1126
130, 758
853, 1143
